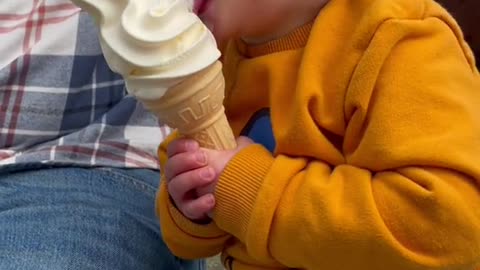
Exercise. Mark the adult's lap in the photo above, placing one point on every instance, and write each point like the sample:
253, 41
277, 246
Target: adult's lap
73, 218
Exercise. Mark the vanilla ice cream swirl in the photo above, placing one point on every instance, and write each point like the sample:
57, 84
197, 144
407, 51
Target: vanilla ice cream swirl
153, 44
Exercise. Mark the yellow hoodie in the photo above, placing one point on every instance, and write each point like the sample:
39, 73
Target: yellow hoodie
372, 118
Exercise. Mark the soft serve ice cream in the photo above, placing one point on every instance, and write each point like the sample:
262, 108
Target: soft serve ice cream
153, 44
169, 60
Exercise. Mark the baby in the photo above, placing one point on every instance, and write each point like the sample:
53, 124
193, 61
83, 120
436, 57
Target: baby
359, 141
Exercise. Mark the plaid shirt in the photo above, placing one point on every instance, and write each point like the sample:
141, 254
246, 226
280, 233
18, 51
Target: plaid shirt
60, 104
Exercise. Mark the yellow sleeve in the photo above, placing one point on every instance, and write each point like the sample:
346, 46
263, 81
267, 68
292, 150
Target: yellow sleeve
408, 195
184, 238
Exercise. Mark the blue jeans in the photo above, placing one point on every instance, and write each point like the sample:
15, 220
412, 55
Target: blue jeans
74, 218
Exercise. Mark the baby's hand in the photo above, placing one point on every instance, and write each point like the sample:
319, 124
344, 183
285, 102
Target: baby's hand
192, 174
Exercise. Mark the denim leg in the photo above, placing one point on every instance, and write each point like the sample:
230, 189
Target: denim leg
74, 218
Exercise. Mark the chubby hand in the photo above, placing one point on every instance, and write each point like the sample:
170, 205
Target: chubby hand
192, 174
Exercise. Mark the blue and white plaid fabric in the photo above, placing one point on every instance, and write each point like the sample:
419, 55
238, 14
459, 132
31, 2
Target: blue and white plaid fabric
60, 104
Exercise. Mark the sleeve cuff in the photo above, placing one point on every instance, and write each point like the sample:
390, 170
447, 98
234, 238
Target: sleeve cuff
185, 238
238, 187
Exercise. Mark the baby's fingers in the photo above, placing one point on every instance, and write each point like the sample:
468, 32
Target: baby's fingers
197, 209
184, 162
181, 145
182, 185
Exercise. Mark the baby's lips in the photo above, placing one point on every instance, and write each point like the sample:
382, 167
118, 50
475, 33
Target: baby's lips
196, 6
199, 6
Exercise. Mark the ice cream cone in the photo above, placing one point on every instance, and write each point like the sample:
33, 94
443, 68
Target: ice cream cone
169, 61
195, 108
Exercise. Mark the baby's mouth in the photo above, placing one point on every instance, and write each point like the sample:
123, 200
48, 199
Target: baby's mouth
200, 6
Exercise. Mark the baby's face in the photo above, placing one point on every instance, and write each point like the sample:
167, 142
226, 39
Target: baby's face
254, 19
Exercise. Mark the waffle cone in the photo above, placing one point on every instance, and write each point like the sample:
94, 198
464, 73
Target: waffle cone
195, 108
